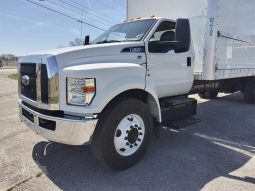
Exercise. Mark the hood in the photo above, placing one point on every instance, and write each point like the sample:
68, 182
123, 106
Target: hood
98, 53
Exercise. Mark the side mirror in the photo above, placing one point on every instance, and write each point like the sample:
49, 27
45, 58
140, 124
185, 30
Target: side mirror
182, 35
86, 42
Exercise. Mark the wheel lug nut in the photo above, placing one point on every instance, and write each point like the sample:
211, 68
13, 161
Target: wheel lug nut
131, 146
136, 144
136, 125
127, 144
139, 140
140, 134
130, 118
139, 128
127, 131
131, 127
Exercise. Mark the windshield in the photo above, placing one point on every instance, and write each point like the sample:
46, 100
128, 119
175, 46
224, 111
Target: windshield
130, 31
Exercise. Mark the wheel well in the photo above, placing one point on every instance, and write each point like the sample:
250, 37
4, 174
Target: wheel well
135, 93
142, 96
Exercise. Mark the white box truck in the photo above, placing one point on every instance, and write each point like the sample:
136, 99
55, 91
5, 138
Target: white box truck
119, 89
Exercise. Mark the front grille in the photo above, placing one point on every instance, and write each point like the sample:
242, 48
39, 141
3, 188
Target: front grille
28, 90
44, 84
38, 82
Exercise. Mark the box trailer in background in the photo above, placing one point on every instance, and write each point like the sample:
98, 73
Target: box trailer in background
223, 33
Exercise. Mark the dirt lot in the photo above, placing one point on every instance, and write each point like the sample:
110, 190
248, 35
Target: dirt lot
216, 154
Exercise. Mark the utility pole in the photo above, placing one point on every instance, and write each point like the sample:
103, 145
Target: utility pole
81, 21
81, 27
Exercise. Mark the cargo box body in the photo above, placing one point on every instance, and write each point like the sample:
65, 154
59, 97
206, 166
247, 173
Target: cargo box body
223, 33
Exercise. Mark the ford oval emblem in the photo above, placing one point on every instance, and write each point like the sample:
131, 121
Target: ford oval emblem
25, 80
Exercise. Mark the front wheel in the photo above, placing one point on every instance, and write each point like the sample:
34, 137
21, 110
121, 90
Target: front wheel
123, 134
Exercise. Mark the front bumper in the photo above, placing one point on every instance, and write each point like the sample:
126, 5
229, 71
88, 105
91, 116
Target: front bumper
66, 130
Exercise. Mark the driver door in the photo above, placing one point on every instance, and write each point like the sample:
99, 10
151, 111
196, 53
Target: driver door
170, 72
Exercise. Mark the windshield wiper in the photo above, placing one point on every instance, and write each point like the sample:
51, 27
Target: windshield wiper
108, 41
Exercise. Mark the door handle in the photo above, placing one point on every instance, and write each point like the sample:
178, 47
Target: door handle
189, 61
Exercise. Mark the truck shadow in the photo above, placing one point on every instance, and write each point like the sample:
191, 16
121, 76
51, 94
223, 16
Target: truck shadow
180, 160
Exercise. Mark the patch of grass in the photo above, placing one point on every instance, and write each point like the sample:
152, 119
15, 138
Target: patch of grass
39, 174
13, 76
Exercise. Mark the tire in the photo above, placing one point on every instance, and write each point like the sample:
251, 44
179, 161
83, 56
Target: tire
209, 95
117, 126
249, 92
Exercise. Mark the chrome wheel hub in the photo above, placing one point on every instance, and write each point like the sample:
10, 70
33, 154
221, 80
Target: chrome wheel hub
129, 135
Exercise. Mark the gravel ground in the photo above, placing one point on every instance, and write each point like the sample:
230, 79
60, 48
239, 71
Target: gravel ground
216, 154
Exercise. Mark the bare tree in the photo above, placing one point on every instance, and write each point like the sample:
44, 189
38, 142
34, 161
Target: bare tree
76, 42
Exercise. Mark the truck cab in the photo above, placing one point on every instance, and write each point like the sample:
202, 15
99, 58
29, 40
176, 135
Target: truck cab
108, 93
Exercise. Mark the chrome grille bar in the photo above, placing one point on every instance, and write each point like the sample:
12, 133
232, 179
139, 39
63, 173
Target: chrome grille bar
52, 82
38, 82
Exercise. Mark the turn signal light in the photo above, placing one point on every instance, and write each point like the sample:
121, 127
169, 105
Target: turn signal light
89, 89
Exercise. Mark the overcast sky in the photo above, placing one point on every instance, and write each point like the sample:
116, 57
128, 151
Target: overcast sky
25, 27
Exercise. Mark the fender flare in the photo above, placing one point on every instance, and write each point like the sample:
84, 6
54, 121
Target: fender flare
153, 99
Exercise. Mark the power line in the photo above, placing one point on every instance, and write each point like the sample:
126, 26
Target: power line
34, 22
74, 6
68, 16
78, 6
119, 3
105, 17
106, 5
62, 7
95, 19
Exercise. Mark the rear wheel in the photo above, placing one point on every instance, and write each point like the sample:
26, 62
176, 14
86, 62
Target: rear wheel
123, 134
209, 95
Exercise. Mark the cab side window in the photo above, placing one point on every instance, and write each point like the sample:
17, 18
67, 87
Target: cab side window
165, 33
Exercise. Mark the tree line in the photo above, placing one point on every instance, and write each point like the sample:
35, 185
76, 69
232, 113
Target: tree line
8, 59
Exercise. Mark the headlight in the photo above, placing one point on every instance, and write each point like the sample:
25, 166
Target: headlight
80, 91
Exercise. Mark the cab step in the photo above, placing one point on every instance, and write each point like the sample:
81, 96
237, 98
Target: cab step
177, 111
